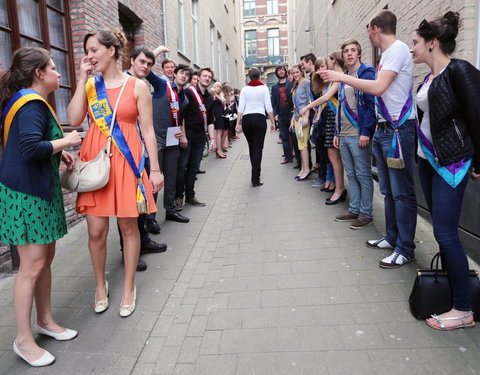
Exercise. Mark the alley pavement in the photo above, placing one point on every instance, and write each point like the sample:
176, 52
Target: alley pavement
261, 281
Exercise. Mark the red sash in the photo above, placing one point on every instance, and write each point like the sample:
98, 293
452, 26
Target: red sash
174, 106
201, 106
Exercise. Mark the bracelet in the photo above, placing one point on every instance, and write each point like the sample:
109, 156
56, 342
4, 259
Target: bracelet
154, 170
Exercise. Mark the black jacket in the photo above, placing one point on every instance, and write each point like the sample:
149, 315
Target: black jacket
454, 105
282, 108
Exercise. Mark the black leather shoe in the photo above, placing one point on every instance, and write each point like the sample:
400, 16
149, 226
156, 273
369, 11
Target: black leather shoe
152, 226
177, 217
342, 198
255, 184
200, 172
153, 247
141, 265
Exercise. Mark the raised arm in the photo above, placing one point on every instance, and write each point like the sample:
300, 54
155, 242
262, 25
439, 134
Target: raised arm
77, 109
321, 100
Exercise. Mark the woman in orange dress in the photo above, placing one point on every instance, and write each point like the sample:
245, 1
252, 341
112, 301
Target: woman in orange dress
118, 198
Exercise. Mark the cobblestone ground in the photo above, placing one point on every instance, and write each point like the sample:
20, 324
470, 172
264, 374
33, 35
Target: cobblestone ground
261, 281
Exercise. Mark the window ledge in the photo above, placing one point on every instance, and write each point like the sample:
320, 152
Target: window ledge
182, 54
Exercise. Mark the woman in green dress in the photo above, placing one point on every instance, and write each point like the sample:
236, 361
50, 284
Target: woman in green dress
31, 205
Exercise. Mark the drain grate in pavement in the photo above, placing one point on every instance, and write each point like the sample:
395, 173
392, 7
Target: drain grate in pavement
244, 157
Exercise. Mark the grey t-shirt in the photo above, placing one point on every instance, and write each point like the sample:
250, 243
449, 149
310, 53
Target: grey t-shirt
347, 129
301, 97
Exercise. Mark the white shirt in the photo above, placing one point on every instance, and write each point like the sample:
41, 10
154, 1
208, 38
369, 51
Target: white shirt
397, 58
422, 102
255, 99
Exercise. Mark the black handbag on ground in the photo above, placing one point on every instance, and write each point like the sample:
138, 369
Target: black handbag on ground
432, 294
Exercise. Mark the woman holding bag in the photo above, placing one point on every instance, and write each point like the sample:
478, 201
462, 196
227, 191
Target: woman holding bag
31, 203
449, 146
124, 192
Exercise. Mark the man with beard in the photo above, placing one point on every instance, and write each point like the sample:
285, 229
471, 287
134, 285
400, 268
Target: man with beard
198, 122
282, 109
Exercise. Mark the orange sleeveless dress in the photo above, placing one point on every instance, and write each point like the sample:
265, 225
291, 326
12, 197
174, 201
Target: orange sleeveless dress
119, 197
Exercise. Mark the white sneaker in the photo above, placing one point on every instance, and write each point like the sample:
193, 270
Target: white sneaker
381, 243
394, 260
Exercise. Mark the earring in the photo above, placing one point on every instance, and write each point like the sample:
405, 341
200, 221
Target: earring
430, 49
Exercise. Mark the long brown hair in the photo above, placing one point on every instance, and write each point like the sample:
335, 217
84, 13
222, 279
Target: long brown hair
317, 81
21, 74
338, 57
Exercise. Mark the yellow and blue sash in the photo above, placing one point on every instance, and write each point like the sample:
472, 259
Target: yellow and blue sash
333, 102
19, 99
102, 116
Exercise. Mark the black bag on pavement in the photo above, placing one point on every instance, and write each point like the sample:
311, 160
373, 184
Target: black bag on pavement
432, 294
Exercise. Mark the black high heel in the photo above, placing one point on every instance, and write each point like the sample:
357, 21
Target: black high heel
342, 198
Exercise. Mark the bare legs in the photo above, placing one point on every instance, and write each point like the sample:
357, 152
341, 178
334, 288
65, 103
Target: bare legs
33, 281
305, 163
97, 244
336, 160
219, 141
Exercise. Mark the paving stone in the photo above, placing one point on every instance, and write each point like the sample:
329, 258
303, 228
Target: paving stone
216, 365
167, 359
348, 363
197, 326
225, 319
176, 335
184, 369
190, 349
162, 326
151, 349
211, 342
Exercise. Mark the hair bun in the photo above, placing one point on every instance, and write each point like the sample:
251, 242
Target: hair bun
120, 35
452, 19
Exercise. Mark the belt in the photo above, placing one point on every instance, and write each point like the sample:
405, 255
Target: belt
382, 125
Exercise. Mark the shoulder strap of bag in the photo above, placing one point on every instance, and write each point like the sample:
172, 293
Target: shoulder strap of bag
112, 122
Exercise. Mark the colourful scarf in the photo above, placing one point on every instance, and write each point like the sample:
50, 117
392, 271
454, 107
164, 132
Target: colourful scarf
255, 82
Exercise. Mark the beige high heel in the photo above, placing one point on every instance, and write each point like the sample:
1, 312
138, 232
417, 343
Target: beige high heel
127, 310
101, 306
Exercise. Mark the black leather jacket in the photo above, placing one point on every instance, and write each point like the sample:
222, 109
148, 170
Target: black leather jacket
454, 105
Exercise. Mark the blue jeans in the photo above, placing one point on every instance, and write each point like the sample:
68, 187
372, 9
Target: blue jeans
188, 165
283, 125
445, 205
357, 162
398, 188
330, 176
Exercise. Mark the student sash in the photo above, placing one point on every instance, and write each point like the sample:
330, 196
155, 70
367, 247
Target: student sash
102, 116
201, 106
18, 100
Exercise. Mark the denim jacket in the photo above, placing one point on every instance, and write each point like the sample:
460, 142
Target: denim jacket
367, 120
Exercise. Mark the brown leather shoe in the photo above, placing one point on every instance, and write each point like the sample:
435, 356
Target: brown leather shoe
361, 222
348, 216
195, 202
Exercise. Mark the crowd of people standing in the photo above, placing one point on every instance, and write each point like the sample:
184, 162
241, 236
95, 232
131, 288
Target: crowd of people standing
350, 111
345, 109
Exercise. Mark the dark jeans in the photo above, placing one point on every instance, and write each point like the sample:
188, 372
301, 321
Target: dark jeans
188, 165
294, 142
254, 127
398, 188
445, 205
283, 125
168, 161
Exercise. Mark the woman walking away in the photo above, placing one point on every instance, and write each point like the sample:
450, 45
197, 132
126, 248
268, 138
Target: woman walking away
124, 191
31, 203
254, 102
449, 146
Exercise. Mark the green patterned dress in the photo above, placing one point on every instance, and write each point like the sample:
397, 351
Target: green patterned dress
27, 219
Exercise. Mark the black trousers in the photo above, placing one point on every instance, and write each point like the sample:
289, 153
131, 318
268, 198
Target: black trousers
254, 127
168, 162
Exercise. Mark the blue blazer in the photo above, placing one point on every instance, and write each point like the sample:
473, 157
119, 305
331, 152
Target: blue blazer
26, 164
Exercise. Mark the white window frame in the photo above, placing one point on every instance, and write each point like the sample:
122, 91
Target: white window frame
195, 29
273, 42
270, 7
181, 28
212, 45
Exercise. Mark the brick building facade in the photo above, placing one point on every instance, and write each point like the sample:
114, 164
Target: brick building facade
320, 26
203, 33
265, 35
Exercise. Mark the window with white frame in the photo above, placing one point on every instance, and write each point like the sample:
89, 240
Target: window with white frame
181, 28
272, 7
250, 47
249, 8
227, 52
195, 29
212, 45
219, 53
273, 42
